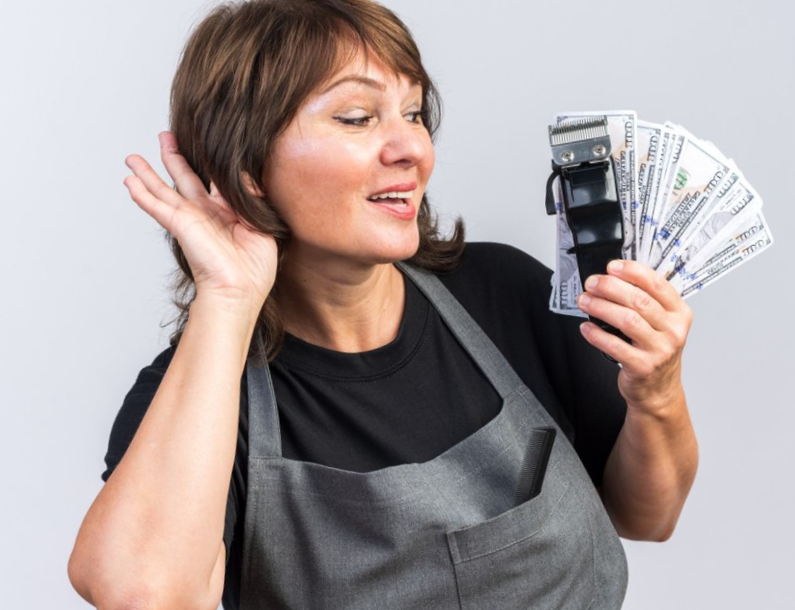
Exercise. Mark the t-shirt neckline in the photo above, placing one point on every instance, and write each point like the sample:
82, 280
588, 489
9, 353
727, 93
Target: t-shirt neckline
385, 360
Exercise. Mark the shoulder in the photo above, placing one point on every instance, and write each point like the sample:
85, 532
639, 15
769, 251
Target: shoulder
493, 277
498, 263
153, 373
148, 380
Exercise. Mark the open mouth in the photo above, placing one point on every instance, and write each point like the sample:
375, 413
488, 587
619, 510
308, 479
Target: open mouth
396, 203
393, 198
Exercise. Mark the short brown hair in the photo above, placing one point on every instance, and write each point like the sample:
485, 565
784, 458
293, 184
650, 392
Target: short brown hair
244, 73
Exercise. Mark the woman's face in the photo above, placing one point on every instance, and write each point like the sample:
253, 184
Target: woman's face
350, 171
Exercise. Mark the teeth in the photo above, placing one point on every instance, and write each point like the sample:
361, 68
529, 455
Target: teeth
392, 195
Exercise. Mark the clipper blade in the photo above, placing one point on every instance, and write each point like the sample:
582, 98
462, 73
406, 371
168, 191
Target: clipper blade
580, 141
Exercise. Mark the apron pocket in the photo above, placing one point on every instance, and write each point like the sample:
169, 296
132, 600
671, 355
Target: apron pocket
538, 554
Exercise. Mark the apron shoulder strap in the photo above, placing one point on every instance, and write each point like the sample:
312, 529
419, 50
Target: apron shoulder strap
264, 436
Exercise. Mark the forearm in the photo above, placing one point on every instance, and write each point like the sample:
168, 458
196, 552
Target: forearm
650, 470
653, 462
157, 525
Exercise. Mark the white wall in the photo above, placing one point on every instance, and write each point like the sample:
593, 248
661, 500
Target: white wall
83, 272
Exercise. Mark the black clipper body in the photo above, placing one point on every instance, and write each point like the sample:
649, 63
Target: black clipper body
581, 158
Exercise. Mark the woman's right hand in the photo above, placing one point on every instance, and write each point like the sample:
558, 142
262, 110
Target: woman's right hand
153, 538
228, 259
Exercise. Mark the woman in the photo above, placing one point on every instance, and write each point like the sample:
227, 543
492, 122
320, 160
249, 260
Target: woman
406, 393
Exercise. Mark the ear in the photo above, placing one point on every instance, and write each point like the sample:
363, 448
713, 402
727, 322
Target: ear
251, 186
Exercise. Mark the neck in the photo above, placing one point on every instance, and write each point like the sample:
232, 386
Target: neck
346, 308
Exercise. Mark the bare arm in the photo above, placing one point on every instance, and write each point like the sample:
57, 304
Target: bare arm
153, 536
653, 464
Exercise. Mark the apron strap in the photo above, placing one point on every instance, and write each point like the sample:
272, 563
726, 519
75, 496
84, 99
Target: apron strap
485, 354
264, 435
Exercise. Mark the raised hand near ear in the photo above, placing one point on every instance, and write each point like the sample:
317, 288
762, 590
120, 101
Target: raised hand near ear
228, 259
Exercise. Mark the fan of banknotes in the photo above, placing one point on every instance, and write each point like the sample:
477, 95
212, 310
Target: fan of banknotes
687, 210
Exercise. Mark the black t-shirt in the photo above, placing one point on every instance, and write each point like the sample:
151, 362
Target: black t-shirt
413, 399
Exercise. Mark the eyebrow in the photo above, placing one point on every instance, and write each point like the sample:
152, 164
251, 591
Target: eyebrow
362, 80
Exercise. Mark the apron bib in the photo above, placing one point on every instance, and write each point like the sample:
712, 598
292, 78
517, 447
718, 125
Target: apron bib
444, 534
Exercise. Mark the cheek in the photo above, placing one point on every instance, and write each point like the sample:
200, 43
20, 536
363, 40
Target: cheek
429, 161
295, 170
314, 181
323, 164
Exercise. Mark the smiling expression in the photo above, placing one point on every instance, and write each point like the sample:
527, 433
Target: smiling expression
350, 171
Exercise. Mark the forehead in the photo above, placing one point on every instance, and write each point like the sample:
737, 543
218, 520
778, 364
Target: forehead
360, 69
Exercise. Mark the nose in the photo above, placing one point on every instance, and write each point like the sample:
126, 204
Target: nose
406, 143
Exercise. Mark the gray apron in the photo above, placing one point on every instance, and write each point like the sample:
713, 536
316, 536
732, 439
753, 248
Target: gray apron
444, 534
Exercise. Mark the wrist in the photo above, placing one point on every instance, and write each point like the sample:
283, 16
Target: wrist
660, 405
232, 310
657, 396
226, 319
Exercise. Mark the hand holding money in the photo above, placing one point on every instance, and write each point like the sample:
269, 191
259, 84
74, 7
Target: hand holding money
647, 309
688, 212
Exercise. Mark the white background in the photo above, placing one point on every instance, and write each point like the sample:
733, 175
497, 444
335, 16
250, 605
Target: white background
84, 273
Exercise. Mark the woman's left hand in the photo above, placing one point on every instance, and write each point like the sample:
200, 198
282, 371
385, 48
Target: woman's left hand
653, 463
643, 305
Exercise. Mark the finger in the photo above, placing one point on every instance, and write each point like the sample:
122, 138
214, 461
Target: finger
618, 349
625, 319
151, 181
159, 210
628, 295
188, 183
648, 280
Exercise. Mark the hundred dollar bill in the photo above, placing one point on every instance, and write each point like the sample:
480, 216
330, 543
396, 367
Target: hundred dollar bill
694, 180
669, 183
622, 127
566, 284
736, 201
750, 240
666, 161
648, 142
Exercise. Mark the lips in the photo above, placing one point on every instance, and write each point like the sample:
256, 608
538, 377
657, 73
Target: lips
396, 200
392, 195
395, 191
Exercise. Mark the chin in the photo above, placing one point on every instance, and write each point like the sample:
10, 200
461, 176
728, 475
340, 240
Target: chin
370, 248
391, 251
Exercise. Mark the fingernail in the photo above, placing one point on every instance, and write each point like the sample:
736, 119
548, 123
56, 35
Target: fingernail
584, 300
616, 265
591, 282
585, 328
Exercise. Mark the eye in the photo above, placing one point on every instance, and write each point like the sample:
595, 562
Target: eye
418, 116
354, 121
